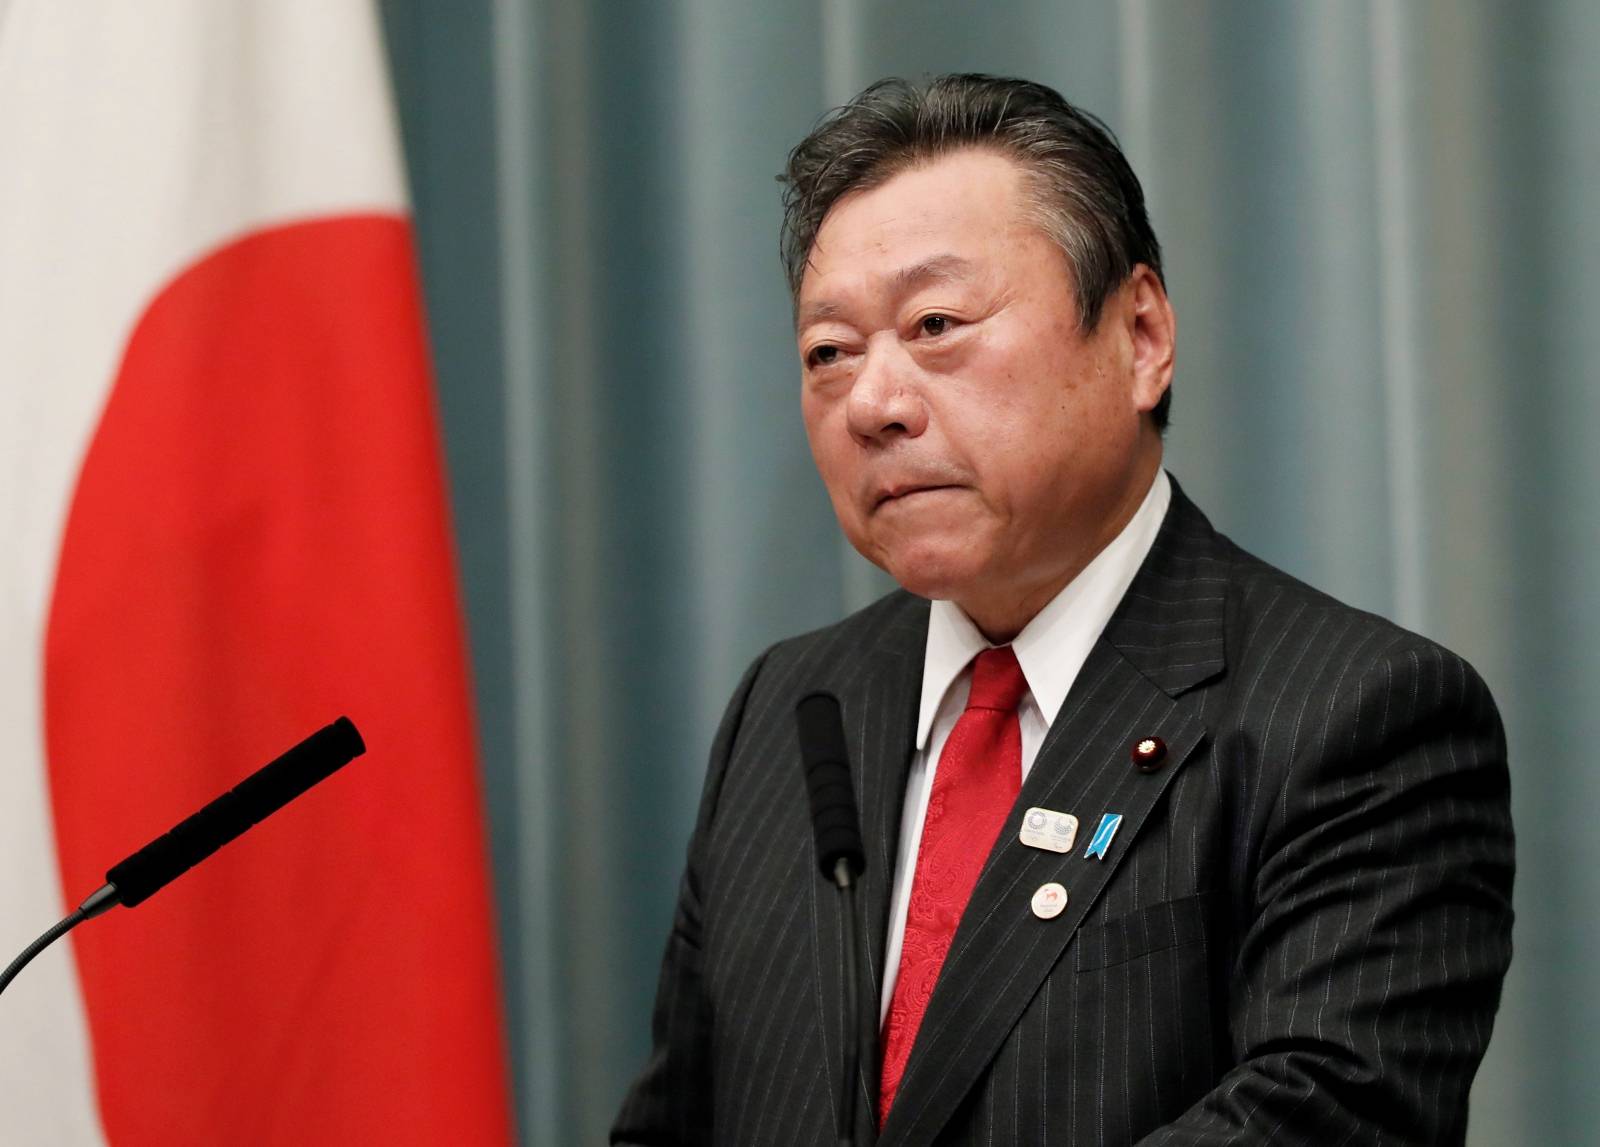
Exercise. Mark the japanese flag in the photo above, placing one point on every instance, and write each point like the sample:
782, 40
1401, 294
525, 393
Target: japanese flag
224, 525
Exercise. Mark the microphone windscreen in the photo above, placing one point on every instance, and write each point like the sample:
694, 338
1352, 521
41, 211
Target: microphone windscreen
827, 768
253, 799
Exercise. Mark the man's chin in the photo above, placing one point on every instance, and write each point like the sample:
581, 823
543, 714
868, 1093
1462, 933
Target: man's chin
940, 576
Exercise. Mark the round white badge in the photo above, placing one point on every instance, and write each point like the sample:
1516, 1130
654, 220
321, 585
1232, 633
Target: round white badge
1050, 901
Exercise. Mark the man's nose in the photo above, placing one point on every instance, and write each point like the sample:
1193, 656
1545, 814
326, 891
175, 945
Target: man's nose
886, 398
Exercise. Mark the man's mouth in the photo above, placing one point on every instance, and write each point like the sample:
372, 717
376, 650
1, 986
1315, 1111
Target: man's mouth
910, 489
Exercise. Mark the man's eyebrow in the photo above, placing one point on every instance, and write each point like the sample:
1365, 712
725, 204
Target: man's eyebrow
937, 269
817, 312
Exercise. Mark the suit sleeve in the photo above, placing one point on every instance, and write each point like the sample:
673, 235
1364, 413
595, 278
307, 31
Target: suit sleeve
1378, 925
670, 1103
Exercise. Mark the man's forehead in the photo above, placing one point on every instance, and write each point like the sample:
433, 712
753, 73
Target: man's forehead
942, 267
941, 219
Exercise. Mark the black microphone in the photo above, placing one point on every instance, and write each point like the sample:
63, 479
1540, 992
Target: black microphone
833, 800
169, 856
247, 804
842, 858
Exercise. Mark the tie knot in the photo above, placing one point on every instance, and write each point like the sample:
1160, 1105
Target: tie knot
997, 680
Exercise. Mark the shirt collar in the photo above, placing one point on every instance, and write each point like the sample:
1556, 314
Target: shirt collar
1053, 646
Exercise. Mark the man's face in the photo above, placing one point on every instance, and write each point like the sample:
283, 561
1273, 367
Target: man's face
975, 444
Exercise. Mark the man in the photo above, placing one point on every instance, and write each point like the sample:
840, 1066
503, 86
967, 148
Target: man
1287, 915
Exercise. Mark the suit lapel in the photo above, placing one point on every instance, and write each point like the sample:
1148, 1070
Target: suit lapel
881, 716
1132, 686
878, 694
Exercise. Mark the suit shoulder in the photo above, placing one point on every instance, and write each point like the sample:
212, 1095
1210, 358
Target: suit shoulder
1274, 617
896, 622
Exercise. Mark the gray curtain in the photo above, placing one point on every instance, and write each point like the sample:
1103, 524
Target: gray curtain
1382, 223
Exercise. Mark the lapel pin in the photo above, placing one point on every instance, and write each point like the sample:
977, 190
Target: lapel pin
1103, 835
1148, 753
1050, 830
1049, 901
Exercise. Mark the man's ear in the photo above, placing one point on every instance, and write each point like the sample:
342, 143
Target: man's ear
1154, 329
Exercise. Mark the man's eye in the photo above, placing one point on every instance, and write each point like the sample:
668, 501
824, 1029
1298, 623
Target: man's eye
935, 325
824, 355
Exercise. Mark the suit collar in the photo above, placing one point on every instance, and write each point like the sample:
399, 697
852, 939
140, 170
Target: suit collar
1170, 623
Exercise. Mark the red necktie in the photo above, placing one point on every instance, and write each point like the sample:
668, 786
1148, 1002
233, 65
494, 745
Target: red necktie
979, 775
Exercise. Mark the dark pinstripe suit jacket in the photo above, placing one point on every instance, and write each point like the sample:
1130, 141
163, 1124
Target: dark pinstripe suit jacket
1297, 936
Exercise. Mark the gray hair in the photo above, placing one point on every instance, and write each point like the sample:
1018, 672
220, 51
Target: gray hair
1085, 196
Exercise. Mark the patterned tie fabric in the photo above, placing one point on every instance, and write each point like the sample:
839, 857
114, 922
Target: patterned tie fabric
974, 787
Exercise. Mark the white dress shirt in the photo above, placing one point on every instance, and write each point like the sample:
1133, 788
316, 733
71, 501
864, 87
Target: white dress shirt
1051, 649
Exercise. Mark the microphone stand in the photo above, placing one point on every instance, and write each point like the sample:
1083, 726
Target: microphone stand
850, 1020
104, 898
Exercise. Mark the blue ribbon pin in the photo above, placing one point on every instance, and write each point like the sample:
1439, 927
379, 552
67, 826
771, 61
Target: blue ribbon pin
1103, 835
